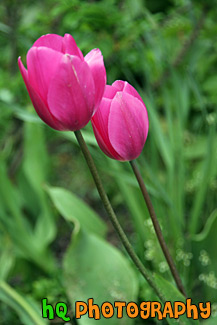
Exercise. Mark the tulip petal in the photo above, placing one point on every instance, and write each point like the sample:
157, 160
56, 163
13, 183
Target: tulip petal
37, 102
52, 41
127, 125
70, 46
71, 93
126, 87
100, 127
95, 61
110, 92
42, 63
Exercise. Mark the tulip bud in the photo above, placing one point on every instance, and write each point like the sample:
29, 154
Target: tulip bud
65, 87
121, 123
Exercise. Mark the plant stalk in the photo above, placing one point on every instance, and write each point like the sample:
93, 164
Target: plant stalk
157, 228
145, 273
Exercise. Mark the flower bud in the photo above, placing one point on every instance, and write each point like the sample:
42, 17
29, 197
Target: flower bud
65, 87
121, 123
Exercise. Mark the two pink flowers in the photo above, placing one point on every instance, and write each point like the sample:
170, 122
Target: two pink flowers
68, 90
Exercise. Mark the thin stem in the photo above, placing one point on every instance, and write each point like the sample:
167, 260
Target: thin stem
158, 229
146, 274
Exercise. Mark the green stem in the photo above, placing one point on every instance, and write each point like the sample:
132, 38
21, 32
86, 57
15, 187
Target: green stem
146, 274
157, 228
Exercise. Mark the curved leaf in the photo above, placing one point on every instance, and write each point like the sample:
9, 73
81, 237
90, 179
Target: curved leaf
72, 208
95, 269
27, 314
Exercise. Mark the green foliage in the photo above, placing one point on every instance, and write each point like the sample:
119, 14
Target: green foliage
72, 208
170, 292
28, 313
52, 224
106, 280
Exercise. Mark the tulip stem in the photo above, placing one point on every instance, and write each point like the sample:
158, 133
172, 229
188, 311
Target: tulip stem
146, 274
157, 228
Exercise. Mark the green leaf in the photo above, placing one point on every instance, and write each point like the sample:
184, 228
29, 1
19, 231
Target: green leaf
208, 229
6, 257
11, 204
74, 209
35, 166
172, 294
204, 257
35, 155
24, 114
27, 314
161, 141
10, 196
200, 196
15, 223
95, 269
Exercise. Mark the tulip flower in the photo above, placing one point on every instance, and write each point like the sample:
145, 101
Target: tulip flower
121, 123
64, 86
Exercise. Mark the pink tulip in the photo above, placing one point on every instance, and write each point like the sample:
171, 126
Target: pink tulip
65, 87
121, 123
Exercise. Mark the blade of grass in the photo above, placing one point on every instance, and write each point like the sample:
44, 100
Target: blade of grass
26, 312
200, 196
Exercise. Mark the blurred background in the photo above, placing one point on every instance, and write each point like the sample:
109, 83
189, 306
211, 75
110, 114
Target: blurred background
52, 223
